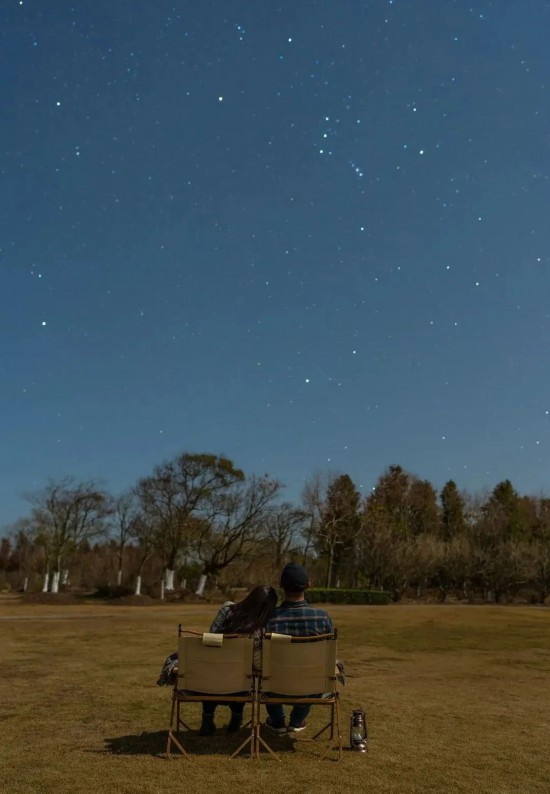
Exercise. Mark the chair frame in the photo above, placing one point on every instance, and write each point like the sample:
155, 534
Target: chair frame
180, 696
332, 700
257, 697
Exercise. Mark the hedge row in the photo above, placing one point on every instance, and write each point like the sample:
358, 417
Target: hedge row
337, 595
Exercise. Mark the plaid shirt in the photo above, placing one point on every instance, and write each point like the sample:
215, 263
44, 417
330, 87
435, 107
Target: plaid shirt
299, 619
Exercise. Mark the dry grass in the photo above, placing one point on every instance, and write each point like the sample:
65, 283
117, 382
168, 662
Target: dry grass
457, 698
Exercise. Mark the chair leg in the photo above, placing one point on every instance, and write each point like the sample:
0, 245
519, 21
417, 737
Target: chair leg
180, 721
171, 736
267, 747
334, 744
323, 729
338, 731
249, 740
257, 726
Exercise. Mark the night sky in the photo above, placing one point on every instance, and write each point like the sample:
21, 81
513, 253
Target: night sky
308, 235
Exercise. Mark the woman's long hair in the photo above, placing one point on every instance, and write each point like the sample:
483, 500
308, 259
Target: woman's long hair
252, 612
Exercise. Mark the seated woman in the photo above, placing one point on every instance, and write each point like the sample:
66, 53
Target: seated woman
248, 617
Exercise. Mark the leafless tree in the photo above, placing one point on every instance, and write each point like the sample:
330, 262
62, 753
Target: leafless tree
313, 505
283, 532
124, 524
65, 514
177, 494
233, 521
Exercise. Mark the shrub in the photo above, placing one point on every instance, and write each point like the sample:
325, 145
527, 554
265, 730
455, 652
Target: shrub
342, 595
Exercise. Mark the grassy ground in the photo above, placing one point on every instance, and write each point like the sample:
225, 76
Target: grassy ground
457, 699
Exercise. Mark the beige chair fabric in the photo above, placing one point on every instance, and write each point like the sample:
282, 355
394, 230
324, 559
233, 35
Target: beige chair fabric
207, 671
297, 669
216, 669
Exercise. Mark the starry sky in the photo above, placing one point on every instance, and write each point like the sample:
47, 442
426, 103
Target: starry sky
308, 235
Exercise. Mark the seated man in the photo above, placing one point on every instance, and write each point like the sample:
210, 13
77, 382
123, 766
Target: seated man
297, 618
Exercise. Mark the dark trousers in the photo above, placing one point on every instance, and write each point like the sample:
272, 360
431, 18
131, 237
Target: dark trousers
209, 707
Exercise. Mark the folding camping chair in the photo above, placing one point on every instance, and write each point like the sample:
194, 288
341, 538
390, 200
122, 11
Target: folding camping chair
295, 667
212, 667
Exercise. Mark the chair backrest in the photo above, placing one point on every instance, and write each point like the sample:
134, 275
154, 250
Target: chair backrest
215, 664
299, 665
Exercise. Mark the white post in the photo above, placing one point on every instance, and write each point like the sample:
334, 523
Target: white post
201, 585
169, 579
137, 591
55, 581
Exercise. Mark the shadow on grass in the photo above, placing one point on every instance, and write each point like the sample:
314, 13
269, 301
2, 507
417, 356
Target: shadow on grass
154, 744
137, 744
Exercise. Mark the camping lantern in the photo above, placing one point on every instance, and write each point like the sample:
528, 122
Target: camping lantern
358, 731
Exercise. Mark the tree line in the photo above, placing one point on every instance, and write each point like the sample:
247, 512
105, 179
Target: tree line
198, 521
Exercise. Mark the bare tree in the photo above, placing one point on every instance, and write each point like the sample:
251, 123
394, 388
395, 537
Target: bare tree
145, 532
283, 532
176, 494
33, 547
124, 523
236, 519
313, 503
65, 514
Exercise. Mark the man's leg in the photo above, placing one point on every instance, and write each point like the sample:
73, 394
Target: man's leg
276, 718
298, 716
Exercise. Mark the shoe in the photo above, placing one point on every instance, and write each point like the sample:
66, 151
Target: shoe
235, 723
208, 728
297, 728
280, 729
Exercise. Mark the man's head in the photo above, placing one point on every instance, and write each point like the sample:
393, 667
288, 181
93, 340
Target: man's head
294, 580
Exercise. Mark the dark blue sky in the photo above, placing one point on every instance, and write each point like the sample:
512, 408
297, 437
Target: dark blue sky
309, 235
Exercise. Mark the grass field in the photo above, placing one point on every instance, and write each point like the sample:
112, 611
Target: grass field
457, 700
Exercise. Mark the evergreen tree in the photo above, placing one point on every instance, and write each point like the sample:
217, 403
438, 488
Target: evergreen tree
503, 516
453, 521
340, 523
